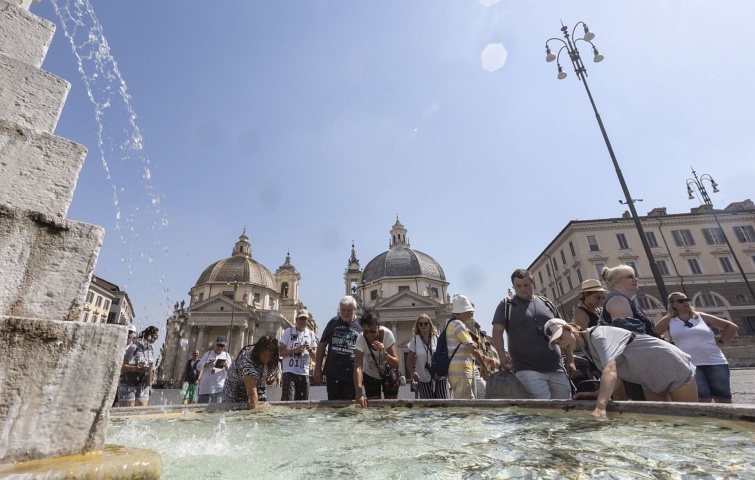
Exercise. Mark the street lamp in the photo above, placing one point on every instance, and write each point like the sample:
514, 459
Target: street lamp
233, 311
579, 68
696, 183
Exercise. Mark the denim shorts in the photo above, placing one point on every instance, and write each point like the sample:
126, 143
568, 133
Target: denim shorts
713, 381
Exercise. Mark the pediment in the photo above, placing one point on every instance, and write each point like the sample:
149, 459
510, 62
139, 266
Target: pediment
408, 300
214, 304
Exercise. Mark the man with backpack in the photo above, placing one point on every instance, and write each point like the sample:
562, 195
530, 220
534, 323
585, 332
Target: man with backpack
524, 316
461, 367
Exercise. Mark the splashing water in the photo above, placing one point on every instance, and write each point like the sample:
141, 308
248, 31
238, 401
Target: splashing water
137, 204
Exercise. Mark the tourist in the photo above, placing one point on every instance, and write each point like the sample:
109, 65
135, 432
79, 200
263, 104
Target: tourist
254, 364
461, 368
296, 347
588, 310
375, 354
664, 372
421, 348
191, 376
523, 316
339, 338
692, 333
137, 371
215, 364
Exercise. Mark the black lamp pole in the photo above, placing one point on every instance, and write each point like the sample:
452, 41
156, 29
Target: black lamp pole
581, 71
697, 183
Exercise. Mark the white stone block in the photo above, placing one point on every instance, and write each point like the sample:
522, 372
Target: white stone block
39, 170
57, 383
23, 36
29, 96
47, 264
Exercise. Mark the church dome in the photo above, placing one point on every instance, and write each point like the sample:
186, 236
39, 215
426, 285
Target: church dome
239, 267
402, 261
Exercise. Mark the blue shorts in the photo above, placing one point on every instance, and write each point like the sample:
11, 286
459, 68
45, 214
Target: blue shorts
713, 381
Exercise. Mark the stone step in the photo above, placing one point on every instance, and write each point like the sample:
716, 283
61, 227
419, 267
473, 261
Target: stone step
24, 36
47, 263
39, 169
29, 96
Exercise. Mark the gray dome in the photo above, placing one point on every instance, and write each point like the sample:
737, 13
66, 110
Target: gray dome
402, 262
240, 269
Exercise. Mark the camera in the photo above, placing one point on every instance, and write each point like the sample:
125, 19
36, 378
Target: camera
427, 366
540, 330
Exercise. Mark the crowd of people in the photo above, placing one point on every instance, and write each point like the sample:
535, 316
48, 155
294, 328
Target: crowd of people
611, 345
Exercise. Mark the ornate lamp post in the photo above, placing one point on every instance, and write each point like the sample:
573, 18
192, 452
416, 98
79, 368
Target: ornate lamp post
570, 45
233, 311
696, 183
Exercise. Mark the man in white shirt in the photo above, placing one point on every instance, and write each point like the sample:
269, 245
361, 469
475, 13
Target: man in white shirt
214, 364
296, 347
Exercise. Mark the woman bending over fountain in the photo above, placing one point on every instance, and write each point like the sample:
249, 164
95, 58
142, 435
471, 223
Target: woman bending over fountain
137, 371
254, 364
691, 332
375, 355
664, 372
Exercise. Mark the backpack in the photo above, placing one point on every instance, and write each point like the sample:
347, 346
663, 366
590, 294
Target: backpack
507, 308
440, 359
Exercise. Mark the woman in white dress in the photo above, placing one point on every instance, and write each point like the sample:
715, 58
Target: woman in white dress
421, 348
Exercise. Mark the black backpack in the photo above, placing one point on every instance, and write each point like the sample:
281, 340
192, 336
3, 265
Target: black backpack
440, 360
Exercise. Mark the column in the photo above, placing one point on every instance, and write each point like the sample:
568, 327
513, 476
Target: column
200, 340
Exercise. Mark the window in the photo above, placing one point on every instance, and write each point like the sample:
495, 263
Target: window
116, 301
553, 291
228, 293
434, 292
107, 305
683, 238
713, 236
85, 318
643, 302
555, 265
750, 322
694, 266
373, 294
540, 276
745, 234
200, 297
651, 239
99, 301
634, 267
579, 275
726, 264
741, 299
548, 269
592, 241
709, 300
568, 280
90, 297
622, 241
560, 288
403, 288
111, 317
571, 247
256, 298
599, 269
563, 257
663, 268
95, 319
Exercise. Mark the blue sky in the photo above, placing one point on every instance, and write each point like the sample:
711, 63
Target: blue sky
314, 123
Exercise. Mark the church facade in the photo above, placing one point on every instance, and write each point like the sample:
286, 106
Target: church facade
237, 298
398, 286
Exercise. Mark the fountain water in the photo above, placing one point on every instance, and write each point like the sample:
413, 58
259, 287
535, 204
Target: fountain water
57, 376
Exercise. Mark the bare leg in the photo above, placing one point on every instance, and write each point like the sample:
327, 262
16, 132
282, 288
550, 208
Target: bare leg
685, 393
619, 392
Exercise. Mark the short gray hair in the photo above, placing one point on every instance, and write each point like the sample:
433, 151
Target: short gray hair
347, 300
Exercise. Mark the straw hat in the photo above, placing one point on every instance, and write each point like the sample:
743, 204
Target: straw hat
591, 286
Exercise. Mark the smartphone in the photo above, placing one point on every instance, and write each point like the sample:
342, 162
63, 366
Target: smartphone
220, 363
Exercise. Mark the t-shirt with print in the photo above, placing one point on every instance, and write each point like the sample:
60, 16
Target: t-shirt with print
234, 390
211, 382
368, 363
341, 338
462, 364
424, 355
136, 353
297, 363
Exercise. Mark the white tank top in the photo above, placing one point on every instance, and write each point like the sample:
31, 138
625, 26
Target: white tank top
696, 341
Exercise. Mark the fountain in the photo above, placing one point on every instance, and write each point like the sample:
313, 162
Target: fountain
58, 376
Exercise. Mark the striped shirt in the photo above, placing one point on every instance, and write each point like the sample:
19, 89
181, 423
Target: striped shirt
462, 365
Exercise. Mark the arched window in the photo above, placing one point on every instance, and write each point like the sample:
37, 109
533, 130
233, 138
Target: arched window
708, 300
284, 290
648, 303
741, 299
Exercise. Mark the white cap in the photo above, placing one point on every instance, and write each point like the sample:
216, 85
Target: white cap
461, 304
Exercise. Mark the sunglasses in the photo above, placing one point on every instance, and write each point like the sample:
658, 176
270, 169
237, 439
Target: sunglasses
423, 324
681, 300
688, 324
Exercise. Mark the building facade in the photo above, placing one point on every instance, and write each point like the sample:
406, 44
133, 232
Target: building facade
691, 254
107, 303
237, 298
399, 285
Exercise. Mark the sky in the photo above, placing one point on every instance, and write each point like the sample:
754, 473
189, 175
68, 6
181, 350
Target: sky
315, 123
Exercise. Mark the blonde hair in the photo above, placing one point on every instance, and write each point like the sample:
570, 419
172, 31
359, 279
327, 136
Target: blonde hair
612, 275
672, 312
415, 329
